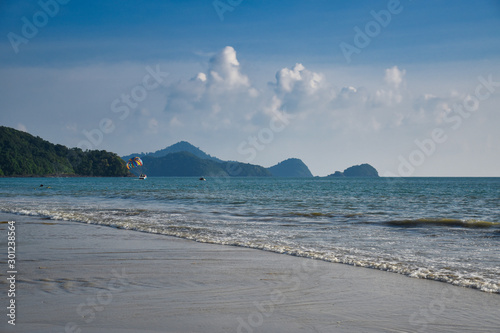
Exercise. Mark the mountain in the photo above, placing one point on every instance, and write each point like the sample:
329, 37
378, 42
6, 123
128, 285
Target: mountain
183, 159
363, 170
26, 155
186, 164
292, 167
177, 148
179, 165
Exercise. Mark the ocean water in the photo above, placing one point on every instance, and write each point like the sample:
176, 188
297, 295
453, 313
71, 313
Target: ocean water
444, 229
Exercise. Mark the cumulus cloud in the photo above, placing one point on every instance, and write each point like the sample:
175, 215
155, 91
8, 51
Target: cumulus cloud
219, 97
298, 80
223, 76
300, 90
225, 70
392, 94
223, 98
394, 77
306, 92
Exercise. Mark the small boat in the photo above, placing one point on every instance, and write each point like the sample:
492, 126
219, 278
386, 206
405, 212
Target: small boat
202, 178
143, 176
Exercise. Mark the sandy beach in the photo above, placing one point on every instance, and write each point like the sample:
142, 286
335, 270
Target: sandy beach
74, 277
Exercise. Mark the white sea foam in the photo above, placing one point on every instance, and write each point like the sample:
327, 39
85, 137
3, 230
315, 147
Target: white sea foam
132, 220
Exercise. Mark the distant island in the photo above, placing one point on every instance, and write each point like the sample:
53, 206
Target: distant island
363, 170
26, 155
183, 159
292, 167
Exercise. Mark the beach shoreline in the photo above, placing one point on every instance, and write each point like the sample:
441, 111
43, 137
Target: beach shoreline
76, 277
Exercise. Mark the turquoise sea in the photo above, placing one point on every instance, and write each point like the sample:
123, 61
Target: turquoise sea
445, 229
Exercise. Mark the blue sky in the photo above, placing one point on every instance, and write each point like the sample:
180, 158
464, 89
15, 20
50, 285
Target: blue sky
267, 82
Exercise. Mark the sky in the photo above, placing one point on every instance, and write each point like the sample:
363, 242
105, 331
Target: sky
410, 87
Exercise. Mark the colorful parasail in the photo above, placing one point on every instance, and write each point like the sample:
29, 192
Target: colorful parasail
134, 162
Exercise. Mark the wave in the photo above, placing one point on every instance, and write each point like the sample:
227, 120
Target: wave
310, 214
130, 220
470, 223
329, 214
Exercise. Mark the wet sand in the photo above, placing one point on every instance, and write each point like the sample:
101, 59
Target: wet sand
74, 277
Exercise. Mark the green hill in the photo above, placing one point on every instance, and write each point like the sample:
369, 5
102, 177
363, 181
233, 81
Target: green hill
185, 160
292, 167
238, 169
176, 148
181, 164
185, 164
26, 155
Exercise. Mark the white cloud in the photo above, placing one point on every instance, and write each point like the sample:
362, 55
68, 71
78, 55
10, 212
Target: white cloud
201, 77
392, 94
301, 91
225, 69
221, 97
298, 80
394, 77
286, 78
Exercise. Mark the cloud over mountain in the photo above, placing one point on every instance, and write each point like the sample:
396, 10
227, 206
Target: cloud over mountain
223, 97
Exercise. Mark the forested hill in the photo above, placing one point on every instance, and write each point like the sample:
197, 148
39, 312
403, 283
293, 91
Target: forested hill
181, 146
292, 167
185, 164
26, 155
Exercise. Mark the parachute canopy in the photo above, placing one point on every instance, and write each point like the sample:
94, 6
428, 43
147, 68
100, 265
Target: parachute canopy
134, 162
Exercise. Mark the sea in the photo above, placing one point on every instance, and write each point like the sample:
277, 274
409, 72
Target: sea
443, 229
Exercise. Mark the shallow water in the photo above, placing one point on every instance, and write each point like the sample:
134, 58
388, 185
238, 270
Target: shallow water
445, 229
